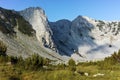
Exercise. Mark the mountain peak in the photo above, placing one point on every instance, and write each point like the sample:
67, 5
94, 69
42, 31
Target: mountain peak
80, 17
32, 9
37, 18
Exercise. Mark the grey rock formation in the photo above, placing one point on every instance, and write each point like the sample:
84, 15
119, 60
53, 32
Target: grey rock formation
82, 39
37, 18
61, 34
20, 37
86, 38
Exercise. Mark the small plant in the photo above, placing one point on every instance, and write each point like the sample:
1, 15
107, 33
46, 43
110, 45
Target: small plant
71, 62
3, 48
72, 65
13, 78
35, 62
61, 66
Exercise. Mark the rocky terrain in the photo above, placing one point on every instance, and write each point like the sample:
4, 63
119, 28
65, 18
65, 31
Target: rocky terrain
82, 39
86, 37
21, 38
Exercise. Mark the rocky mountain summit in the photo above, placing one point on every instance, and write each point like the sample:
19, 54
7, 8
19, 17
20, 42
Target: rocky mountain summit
22, 39
37, 18
29, 31
86, 37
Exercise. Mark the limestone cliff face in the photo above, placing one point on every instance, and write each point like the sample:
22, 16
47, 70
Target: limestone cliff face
37, 18
23, 39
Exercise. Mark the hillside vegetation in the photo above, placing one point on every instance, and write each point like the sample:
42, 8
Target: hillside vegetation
9, 19
38, 68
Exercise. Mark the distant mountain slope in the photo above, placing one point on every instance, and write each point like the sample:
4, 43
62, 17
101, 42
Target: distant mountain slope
87, 38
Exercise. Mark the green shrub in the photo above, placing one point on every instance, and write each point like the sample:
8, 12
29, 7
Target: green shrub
113, 59
72, 65
71, 62
72, 68
12, 17
35, 62
61, 66
3, 48
25, 27
46, 61
109, 62
13, 60
13, 78
4, 59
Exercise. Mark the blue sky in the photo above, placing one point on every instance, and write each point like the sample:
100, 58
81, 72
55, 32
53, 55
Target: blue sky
70, 9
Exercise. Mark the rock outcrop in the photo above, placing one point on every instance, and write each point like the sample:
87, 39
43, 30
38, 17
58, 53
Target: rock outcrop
21, 37
86, 38
37, 18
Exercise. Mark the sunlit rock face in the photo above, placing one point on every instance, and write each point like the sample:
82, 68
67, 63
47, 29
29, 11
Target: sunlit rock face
22, 39
29, 31
37, 18
85, 38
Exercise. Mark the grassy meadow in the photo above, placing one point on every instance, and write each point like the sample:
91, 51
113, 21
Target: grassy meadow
38, 68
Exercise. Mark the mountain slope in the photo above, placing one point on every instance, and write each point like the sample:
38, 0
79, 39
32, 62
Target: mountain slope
36, 17
28, 31
85, 38
20, 36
